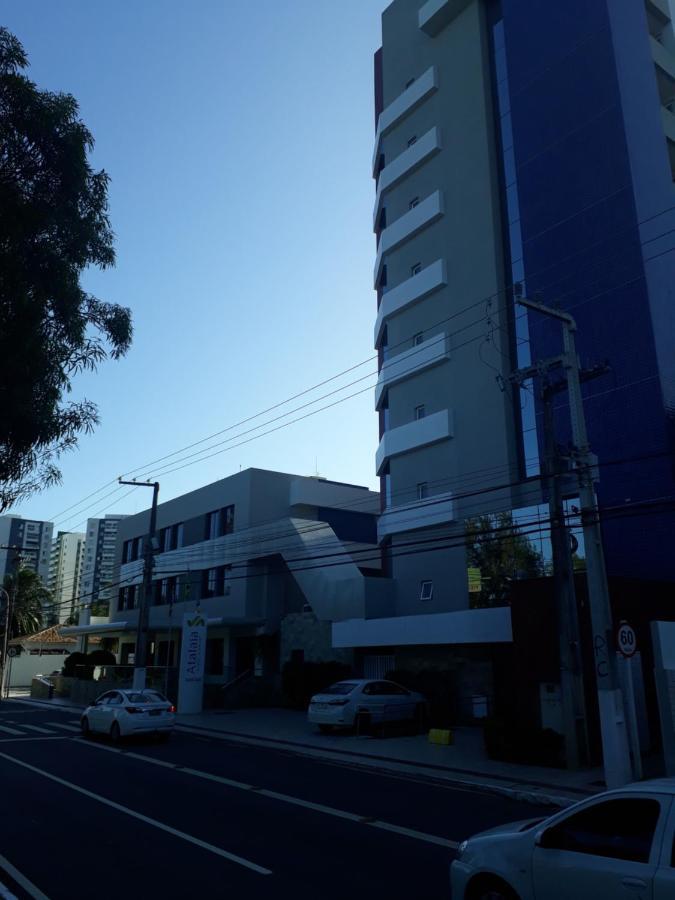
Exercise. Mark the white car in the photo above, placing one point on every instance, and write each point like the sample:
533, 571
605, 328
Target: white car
122, 713
362, 702
619, 844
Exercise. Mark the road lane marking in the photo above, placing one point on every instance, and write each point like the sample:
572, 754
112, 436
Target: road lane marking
7, 730
64, 726
37, 728
413, 833
34, 738
21, 880
6, 894
372, 821
218, 851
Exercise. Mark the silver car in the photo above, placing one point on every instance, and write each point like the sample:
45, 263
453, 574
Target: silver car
619, 844
364, 702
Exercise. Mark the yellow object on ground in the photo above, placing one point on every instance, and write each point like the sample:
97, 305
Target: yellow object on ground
440, 736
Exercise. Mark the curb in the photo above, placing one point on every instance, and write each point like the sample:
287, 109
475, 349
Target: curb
526, 793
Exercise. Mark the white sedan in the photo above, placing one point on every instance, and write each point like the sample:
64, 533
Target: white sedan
122, 713
363, 702
620, 844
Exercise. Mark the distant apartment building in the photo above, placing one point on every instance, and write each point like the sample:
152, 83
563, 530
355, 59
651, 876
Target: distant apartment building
65, 573
30, 543
98, 567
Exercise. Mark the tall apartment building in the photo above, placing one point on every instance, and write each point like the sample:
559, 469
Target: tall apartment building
98, 566
521, 148
34, 542
65, 572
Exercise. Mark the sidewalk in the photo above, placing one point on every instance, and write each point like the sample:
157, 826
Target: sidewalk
464, 763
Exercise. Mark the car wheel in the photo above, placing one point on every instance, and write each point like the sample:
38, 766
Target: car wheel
115, 733
362, 723
84, 725
325, 729
491, 889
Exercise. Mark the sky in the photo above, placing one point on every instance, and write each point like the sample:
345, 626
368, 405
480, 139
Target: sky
238, 139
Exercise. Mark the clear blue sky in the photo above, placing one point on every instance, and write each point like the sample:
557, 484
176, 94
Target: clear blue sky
238, 138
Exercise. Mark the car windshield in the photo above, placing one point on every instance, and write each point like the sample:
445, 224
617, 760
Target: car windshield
342, 687
149, 697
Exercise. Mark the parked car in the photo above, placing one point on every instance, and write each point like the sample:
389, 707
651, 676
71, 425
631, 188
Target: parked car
619, 844
122, 713
361, 703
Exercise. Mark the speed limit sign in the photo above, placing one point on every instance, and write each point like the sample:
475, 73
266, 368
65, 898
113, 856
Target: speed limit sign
626, 640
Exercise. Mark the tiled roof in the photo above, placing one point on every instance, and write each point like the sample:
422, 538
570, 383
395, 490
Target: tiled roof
50, 636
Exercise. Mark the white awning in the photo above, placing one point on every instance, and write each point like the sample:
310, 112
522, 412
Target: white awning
466, 626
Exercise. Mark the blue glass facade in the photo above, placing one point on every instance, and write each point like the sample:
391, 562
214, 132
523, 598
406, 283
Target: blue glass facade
594, 197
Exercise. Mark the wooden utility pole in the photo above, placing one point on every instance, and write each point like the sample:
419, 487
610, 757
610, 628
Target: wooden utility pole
141, 648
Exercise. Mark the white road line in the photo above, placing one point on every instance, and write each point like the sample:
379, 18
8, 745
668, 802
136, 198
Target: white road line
294, 801
64, 726
21, 880
5, 894
37, 728
7, 730
33, 737
418, 835
218, 851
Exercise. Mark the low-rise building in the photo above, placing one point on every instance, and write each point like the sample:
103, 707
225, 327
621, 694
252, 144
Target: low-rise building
270, 559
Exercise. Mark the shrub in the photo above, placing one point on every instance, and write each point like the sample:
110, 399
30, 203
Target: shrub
511, 742
71, 661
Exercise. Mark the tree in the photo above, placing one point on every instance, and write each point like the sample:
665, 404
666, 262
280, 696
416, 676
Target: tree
28, 595
498, 549
53, 224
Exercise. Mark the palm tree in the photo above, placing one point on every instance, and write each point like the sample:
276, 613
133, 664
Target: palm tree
28, 596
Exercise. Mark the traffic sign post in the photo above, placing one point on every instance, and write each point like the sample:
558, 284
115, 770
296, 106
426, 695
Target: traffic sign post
626, 643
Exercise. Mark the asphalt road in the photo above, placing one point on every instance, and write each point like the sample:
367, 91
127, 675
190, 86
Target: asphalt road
203, 818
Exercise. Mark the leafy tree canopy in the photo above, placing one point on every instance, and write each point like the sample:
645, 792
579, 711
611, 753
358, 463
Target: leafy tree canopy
53, 225
499, 550
29, 595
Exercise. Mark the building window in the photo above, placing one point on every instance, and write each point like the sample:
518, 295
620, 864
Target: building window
416, 269
219, 523
138, 549
412, 140
382, 221
426, 590
422, 490
418, 338
420, 411
382, 283
413, 203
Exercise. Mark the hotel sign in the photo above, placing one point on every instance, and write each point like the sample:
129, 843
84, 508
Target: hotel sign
192, 658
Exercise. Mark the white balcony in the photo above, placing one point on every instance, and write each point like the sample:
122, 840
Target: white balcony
422, 356
407, 226
411, 291
419, 433
668, 120
403, 105
436, 510
436, 14
663, 58
407, 162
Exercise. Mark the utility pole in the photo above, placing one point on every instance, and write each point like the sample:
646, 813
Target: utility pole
610, 700
5, 639
141, 648
571, 679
